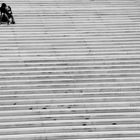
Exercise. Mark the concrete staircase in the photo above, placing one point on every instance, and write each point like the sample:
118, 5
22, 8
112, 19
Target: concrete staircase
70, 70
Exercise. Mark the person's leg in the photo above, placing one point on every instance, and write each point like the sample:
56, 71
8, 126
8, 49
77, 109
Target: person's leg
11, 18
7, 18
1, 18
13, 21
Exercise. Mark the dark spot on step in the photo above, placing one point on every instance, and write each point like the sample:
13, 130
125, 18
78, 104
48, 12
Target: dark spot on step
30, 108
14, 103
54, 119
90, 130
87, 118
114, 123
69, 106
81, 91
84, 124
44, 108
73, 111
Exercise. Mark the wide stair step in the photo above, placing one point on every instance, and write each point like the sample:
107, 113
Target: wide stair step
70, 70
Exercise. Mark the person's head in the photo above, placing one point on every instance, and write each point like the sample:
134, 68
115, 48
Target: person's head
3, 5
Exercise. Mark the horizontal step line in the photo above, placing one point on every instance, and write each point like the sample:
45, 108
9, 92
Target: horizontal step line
67, 129
85, 116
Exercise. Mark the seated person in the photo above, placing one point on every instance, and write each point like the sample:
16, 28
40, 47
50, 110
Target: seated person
6, 14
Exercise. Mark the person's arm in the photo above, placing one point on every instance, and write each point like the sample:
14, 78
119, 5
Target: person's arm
11, 14
9, 10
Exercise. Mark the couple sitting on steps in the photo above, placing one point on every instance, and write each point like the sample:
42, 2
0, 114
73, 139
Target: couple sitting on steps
6, 14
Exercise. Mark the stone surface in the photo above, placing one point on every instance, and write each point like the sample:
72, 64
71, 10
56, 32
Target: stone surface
70, 70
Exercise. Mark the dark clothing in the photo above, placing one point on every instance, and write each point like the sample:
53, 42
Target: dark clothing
6, 13
6, 10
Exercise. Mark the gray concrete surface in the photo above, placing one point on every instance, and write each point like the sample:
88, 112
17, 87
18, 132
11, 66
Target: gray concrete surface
70, 70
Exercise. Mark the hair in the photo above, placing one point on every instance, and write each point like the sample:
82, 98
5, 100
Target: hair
3, 5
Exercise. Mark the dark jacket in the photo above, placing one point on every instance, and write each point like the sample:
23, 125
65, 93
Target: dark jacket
6, 10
